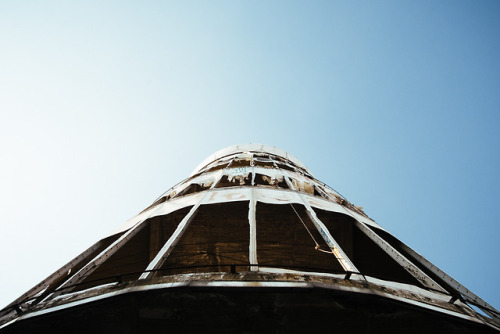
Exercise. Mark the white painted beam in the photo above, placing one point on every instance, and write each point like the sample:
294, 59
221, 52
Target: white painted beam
51, 281
167, 248
84, 272
337, 251
406, 264
252, 221
468, 295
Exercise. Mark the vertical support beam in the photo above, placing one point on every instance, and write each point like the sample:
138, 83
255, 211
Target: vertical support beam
339, 254
252, 209
418, 274
167, 248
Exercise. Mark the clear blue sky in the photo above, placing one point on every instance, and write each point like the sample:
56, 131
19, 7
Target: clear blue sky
104, 105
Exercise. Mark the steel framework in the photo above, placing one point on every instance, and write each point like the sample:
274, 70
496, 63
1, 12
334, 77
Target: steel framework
251, 218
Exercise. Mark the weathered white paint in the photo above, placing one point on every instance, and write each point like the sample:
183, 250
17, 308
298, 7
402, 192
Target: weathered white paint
174, 239
337, 251
252, 221
244, 285
406, 264
249, 148
233, 194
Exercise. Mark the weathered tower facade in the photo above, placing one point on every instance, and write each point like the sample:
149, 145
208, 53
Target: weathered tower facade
250, 242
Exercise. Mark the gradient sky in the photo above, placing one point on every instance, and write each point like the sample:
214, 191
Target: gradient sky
105, 105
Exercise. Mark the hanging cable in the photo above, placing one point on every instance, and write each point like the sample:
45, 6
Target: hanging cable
317, 247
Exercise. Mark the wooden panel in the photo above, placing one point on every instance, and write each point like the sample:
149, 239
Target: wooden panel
282, 240
218, 236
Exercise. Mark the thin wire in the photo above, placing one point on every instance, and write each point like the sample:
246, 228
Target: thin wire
308, 231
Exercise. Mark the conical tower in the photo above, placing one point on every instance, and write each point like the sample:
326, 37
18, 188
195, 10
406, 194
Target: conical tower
250, 242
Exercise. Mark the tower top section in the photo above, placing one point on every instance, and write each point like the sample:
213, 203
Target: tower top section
248, 149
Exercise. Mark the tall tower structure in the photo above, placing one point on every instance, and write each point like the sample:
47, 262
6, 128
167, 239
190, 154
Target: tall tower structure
250, 242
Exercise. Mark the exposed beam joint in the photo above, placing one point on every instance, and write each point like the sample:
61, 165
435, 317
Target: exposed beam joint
458, 288
412, 269
167, 248
51, 282
84, 272
339, 254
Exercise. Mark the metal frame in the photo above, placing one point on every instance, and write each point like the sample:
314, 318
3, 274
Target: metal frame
54, 278
418, 274
81, 274
169, 245
468, 295
167, 248
252, 221
337, 251
244, 285
64, 280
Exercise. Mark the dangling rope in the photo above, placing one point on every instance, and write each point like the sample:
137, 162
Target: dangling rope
317, 247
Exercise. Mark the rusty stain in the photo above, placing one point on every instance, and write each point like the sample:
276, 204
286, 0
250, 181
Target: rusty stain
233, 196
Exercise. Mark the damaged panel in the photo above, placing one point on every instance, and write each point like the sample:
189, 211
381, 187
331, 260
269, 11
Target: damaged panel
266, 163
276, 182
194, 185
285, 166
235, 178
269, 177
303, 186
300, 182
255, 149
241, 162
